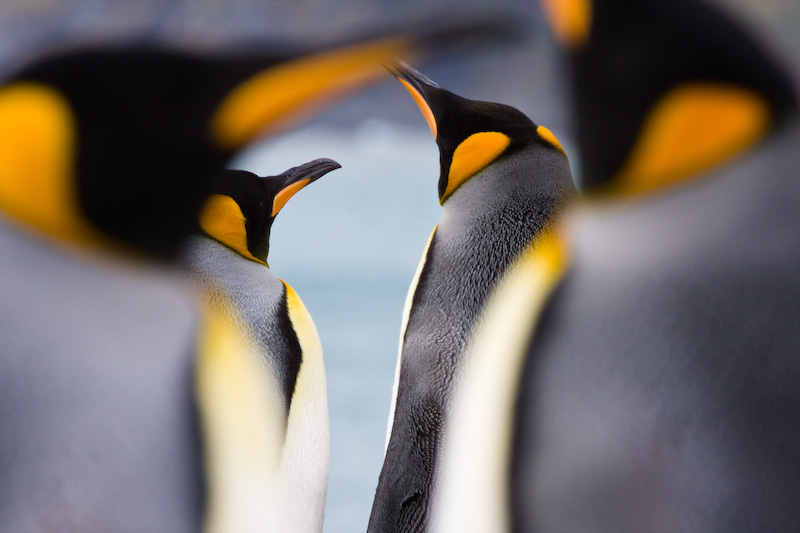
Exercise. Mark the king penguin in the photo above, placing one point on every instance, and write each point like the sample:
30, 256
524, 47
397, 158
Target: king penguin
649, 362
124, 407
229, 264
503, 180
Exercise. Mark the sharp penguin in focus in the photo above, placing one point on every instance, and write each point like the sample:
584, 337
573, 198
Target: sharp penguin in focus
503, 180
229, 265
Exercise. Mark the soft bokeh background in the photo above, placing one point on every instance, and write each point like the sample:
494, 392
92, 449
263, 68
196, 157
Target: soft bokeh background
349, 244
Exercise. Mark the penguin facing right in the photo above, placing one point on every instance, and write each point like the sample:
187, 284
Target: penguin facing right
652, 381
228, 264
503, 181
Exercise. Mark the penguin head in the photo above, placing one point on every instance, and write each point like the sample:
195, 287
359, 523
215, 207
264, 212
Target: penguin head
663, 89
470, 134
122, 145
240, 212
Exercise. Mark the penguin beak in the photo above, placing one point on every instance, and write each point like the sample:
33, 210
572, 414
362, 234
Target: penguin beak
405, 72
281, 95
294, 179
418, 85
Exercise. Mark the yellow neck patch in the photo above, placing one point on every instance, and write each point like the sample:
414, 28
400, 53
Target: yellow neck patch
37, 161
287, 192
570, 20
692, 128
423, 106
289, 91
305, 330
474, 154
222, 219
548, 136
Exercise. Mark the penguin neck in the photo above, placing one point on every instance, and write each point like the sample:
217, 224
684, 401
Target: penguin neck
259, 247
256, 298
204, 254
485, 224
506, 184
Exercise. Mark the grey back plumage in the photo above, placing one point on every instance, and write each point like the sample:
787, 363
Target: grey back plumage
98, 418
259, 298
660, 391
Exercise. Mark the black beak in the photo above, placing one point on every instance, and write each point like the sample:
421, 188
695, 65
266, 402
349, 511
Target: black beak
294, 179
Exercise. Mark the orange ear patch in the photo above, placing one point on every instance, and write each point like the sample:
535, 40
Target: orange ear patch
37, 143
692, 128
570, 20
474, 154
222, 219
548, 136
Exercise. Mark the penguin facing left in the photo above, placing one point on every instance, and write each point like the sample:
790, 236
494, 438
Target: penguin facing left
228, 263
503, 181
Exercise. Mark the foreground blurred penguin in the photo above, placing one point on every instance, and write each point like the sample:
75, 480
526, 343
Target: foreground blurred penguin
230, 265
657, 389
124, 408
503, 179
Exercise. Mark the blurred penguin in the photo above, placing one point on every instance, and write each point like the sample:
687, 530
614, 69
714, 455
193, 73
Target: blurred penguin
646, 367
503, 180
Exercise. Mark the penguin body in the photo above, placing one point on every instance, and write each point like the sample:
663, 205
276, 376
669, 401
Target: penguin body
650, 385
247, 294
283, 339
658, 392
501, 184
99, 419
